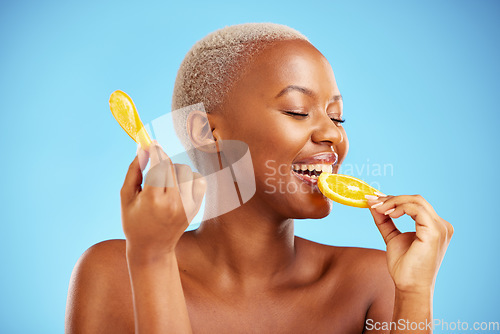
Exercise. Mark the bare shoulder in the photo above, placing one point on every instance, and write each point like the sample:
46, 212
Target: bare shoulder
352, 283
364, 268
374, 258
100, 297
369, 265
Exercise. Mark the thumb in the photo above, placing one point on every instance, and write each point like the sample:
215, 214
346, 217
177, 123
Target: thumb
385, 226
143, 157
133, 180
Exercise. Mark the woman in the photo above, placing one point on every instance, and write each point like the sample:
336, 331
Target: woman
244, 271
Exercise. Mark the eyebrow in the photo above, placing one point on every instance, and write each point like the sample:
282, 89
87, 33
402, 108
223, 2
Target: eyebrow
305, 91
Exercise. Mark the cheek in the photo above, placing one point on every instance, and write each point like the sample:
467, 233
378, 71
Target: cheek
277, 143
287, 133
268, 133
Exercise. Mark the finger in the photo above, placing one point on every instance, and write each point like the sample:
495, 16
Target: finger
426, 227
161, 174
384, 204
157, 154
133, 180
184, 176
160, 178
417, 199
385, 226
185, 183
411, 205
377, 201
170, 174
199, 189
199, 186
143, 157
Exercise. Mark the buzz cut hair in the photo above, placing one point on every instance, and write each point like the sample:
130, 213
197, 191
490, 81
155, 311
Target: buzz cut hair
213, 65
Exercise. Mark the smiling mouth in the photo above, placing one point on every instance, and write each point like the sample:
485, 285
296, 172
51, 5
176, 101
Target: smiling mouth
310, 173
312, 170
309, 169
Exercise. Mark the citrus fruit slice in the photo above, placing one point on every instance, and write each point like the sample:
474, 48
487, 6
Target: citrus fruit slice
123, 109
345, 189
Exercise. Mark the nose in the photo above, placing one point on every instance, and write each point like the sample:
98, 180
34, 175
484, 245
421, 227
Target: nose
326, 131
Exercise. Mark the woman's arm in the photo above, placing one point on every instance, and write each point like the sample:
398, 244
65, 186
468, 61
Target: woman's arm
154, 218
159, 304
99, 295
399, 312
413, 312
413, 258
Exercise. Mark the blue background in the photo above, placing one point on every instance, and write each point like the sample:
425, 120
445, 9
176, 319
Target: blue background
420, 82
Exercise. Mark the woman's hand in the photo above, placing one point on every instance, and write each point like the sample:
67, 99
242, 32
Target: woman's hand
413, 258
155, 217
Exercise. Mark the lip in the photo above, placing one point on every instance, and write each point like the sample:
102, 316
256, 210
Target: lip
329, 158
324, 158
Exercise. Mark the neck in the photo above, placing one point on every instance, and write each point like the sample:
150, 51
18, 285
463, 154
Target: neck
247, 242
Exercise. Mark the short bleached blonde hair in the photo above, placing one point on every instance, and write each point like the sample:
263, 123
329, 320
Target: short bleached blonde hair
213, 65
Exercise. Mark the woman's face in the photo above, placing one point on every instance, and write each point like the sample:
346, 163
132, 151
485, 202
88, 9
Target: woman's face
285, 109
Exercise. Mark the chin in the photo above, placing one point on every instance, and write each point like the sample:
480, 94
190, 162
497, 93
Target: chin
315, 209
296, 199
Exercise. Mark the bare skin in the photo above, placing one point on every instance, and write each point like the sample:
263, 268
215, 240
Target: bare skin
245, 271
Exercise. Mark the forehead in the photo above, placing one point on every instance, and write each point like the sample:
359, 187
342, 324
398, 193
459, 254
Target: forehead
285, 63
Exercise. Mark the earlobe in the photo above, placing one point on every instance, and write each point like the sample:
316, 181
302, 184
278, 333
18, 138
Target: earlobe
202, 135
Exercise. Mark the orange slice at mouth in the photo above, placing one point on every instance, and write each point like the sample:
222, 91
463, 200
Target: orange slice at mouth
345, 189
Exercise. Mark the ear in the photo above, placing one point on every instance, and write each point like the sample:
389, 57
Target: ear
203, 137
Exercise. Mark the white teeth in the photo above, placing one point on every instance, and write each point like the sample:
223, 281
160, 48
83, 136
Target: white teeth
314, 177
327, 168
318, 168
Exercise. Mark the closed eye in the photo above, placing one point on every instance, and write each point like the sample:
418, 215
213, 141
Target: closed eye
295, 113
337, 121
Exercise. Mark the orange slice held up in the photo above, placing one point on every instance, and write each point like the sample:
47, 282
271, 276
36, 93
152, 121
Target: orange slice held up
123, 109
345, 189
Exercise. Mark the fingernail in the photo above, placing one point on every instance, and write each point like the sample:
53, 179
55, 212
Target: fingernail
388, 212
377, 205
138, 149
380, 194
371, 197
